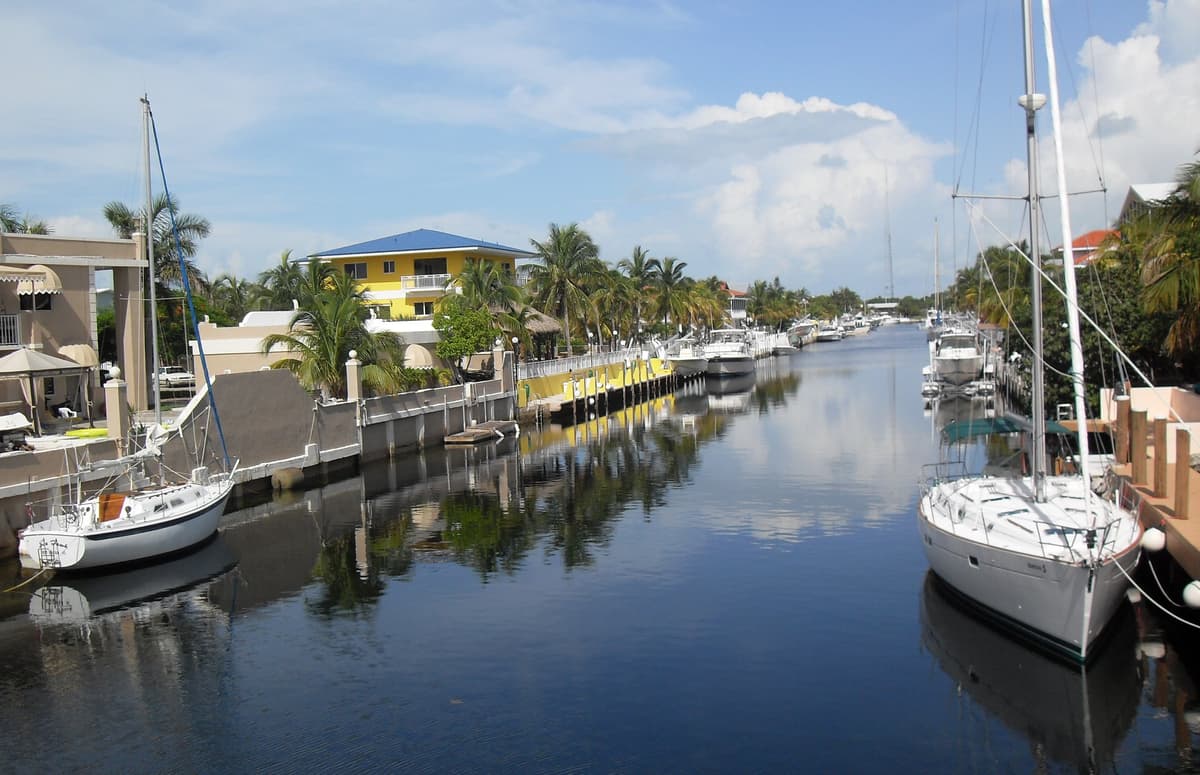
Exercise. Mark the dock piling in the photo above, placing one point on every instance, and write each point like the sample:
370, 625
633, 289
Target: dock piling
1183, 471
1137, 446
1160, 457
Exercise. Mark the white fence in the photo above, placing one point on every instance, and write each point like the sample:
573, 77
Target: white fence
534, 369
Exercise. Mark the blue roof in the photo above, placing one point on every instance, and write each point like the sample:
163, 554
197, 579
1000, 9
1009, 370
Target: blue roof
419, 240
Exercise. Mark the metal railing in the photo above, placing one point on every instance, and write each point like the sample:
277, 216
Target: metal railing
10, 331
535, 369
424, 281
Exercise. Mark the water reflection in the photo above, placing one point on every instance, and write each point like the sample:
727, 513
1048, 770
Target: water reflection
1072, 715
76, 600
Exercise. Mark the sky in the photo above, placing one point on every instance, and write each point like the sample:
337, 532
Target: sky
819, 143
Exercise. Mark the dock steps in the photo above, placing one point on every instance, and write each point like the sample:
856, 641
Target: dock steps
484, 431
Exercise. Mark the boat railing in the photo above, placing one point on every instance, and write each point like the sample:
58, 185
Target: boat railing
946, 471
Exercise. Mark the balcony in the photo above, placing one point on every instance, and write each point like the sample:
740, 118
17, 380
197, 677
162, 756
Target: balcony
10, 331
424, 282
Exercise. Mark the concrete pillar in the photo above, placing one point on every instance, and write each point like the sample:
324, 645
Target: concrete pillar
116, 407
1121, 429
1137, 446
1183, 472
130, 317
354, 389
1160, 457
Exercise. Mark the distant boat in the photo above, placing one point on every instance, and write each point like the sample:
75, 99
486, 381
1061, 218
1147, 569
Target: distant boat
781, 345
1045, 554
133, 517
957, 356
830, 331
728, 353
686, 356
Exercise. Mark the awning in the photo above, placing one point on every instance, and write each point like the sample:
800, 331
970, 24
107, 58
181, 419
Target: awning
27, 362
43, 280
417, 357
83, 354
958, 430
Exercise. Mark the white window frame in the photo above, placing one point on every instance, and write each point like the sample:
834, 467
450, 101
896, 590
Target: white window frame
389, 266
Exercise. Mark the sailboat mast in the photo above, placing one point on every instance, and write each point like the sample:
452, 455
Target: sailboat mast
887, 225
1068, 253
1031, 101
937, 278
149, 225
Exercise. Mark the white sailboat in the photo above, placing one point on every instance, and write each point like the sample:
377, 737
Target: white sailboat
135, 516
1044, 554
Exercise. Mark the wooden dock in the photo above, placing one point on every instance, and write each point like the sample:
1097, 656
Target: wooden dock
484, 431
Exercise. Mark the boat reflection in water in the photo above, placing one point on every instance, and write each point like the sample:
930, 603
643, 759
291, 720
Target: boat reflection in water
79, 599
729, 395
1071, 714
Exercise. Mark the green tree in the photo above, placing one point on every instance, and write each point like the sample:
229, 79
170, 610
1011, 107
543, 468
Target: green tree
671, 291
282, 283
1167, 239
192, 228
569, 258
331, 323
463, 330
14, 223
233, 296
640, 268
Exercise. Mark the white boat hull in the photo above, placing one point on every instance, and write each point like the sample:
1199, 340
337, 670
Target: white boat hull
730, 366
688, 366
1064, 605
958, 369
60, 546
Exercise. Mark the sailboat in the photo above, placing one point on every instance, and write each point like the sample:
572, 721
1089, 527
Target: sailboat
1043, 554
144, 511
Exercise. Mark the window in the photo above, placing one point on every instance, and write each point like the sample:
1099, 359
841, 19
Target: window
358, 270
35, 301
389, 267
429, 266
381, 311
423, 307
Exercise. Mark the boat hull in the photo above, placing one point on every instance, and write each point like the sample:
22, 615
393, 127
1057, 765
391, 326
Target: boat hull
730, 366
958, 369
688, 366
83, 549
1046, 601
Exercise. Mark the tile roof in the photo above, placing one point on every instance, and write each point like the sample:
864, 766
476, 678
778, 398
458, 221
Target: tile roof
420, 240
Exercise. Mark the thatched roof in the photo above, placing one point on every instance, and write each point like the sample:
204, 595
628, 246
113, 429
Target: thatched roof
537, 322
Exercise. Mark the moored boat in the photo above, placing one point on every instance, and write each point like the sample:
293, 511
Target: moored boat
728, 353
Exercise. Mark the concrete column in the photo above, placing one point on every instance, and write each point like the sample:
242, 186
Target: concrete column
1121, 429
1160, 457
1183, 471
354, 389
1137, 446
116, 407
130, 315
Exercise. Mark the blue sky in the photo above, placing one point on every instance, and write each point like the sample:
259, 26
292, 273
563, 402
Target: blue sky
751, 140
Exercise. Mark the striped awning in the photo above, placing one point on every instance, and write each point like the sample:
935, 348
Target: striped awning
31, 279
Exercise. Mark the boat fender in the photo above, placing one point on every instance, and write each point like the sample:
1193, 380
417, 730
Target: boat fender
1154, 540
1191, 594
1153, 649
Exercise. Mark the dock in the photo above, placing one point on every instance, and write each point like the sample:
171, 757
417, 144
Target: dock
484, 431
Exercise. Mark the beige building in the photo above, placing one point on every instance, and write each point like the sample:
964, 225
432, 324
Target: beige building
55, 313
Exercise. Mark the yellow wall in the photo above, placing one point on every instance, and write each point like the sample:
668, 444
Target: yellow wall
377, 281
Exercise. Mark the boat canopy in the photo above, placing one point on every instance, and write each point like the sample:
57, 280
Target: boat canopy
958, 430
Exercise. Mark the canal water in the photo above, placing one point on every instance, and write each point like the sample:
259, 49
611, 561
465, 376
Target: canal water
724, 580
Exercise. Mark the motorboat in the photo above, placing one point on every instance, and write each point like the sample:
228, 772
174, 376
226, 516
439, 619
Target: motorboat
686, 357
957, 356
782, 345
728, 353
830, 331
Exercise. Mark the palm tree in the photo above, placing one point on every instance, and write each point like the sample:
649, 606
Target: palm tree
282, 282
671, 291
569, 258
331, 324
1167, 239
191, 229
641, 270
14, 223
234, 296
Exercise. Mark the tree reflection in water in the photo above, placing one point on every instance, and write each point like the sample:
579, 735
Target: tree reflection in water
562, 495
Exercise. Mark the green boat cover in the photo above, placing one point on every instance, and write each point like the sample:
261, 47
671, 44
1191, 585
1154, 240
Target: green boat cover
959, 430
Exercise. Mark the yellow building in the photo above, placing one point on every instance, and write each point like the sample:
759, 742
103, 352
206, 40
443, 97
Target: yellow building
404, 274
